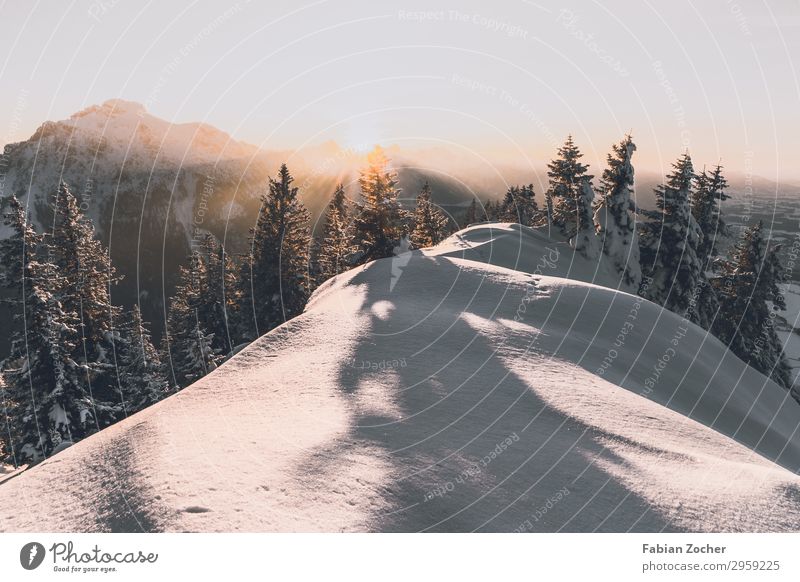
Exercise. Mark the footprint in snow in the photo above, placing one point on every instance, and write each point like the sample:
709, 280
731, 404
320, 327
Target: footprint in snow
196, 509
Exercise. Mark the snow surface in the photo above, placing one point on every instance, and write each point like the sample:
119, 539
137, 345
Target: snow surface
788, 327
539, 251
469, 397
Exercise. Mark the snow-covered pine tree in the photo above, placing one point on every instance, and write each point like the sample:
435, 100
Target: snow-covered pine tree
585, 240
197, 353
708, 194
85, 269
49, 404
336, 245
165, 357
430, 224
615, 214
519, 205
141, 374
507, 207
16, 253
215, 298
191, 353
548, 206
277, 285
7, 412
566, 175
471, 216
668, 243
492, 211
379, 221
530, 208
707, 197
242, 314
748, 282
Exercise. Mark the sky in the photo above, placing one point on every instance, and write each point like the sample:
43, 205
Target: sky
502, 80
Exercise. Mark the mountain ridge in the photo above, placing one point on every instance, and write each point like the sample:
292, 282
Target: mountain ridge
385, 409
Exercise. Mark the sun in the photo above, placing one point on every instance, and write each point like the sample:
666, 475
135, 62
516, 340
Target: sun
360, 137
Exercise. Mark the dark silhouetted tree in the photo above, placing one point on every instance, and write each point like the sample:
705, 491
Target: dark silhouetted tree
748, 283
276, 286
708, 195
668, 243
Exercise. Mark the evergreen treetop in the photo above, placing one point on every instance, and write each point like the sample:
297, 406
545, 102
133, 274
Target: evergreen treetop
276, 286
615, 214
707, 197
566, 174
430, 223
336, 247
379, 223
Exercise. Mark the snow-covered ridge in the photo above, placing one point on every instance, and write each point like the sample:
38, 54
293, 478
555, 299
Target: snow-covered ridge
110, 107
435, 391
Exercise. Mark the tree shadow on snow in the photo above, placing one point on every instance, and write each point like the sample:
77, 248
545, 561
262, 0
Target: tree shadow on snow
469, 446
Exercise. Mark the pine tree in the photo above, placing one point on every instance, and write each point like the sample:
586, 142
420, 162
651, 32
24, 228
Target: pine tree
43, 384
380, 222
141, 374
549, 209
277, 285
87, 274
16, 252
197, 353
709, 193
191, 354
615, 214
471, 216
519, 205
242, 314
749, 280
507, 207
668, 244
336, 248
216, 293
585, 240
430, 223
165, 357
492, 212
7, 411
566, 193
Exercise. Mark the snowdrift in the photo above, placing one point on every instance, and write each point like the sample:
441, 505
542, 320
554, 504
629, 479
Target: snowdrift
437, 392
538, 251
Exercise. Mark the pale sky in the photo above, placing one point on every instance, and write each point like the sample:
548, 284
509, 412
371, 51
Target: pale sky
505, 79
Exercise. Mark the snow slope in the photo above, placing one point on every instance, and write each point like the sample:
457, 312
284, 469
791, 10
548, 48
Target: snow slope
531, 250
439, 393
788, 327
